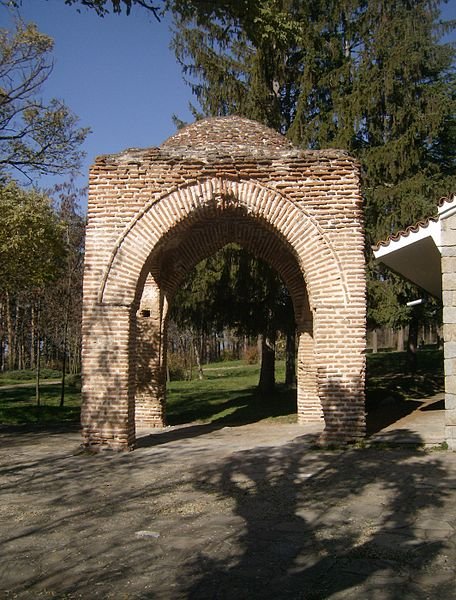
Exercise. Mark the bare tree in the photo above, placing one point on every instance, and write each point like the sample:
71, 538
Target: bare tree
34, 135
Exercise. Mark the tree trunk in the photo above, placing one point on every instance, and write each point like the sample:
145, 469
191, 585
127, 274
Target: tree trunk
374, 341
290, 359
62, 384
10, 333
65, 343
38, 371
38, 357
400, 340
2, 336
412, 343
17, 336
32, 338
198, 360
266, 383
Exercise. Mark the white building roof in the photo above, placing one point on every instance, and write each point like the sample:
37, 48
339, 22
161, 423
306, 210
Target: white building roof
415, 253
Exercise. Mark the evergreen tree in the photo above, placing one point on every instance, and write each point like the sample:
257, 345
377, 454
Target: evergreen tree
232, 289
368, 77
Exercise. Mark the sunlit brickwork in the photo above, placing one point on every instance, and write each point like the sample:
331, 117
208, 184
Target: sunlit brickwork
154, 214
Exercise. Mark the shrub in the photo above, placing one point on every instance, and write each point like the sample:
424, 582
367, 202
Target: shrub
30, 374
229, 355
74, 380
177, 369
251, 355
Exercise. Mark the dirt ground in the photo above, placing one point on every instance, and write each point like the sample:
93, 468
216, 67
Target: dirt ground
254, 511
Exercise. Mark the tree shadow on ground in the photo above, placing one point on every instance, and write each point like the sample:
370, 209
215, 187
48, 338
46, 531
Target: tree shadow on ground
387, 413
230, 407
186, 520
18, 408
388, 377
341, 523
247, 407
185, 432
333, 525
437, 405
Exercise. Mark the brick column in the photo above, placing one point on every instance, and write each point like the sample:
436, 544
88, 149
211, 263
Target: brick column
308, 403
150, 359
448, 250
339, 347
107, 414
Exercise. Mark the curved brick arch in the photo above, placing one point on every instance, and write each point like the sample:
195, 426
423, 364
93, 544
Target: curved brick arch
170, 267
300, 230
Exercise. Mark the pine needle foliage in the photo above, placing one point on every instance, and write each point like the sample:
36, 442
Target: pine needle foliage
373, 78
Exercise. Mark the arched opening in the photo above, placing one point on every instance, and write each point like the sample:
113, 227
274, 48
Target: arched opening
228, 326
168, 265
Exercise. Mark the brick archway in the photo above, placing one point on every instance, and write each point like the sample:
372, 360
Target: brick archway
154, 214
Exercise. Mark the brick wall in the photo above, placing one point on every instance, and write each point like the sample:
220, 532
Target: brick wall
154, 214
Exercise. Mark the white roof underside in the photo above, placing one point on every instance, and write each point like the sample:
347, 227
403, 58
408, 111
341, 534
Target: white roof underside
416, 256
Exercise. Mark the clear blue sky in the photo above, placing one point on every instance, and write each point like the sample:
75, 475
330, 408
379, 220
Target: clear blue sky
116, 73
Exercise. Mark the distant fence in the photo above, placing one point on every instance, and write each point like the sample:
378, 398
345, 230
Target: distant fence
389, 339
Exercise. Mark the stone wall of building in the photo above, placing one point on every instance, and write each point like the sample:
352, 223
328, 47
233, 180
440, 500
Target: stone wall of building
154, 214
448, 250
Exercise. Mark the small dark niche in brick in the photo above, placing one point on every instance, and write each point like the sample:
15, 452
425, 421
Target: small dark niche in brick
145, 313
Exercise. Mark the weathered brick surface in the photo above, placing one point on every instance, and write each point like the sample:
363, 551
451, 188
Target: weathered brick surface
155, 213
150, 359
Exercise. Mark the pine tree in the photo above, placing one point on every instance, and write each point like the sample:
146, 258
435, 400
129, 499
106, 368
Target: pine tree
368, 77
232, 289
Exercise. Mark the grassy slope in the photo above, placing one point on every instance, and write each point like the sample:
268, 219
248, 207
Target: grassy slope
228, 393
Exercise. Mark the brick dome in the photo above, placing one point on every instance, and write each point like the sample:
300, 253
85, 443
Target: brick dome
227, 135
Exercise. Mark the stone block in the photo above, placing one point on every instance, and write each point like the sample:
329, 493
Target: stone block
450, 432
450, 401
450, 437
450, 418
450, 367
449, 315
449, 281
450, 384
450, 350
448, 264
449, 298
451, 442
448, 251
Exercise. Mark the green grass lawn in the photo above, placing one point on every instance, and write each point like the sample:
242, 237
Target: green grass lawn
228, 393
18, 406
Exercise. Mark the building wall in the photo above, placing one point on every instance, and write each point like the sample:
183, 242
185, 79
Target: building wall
448, 250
